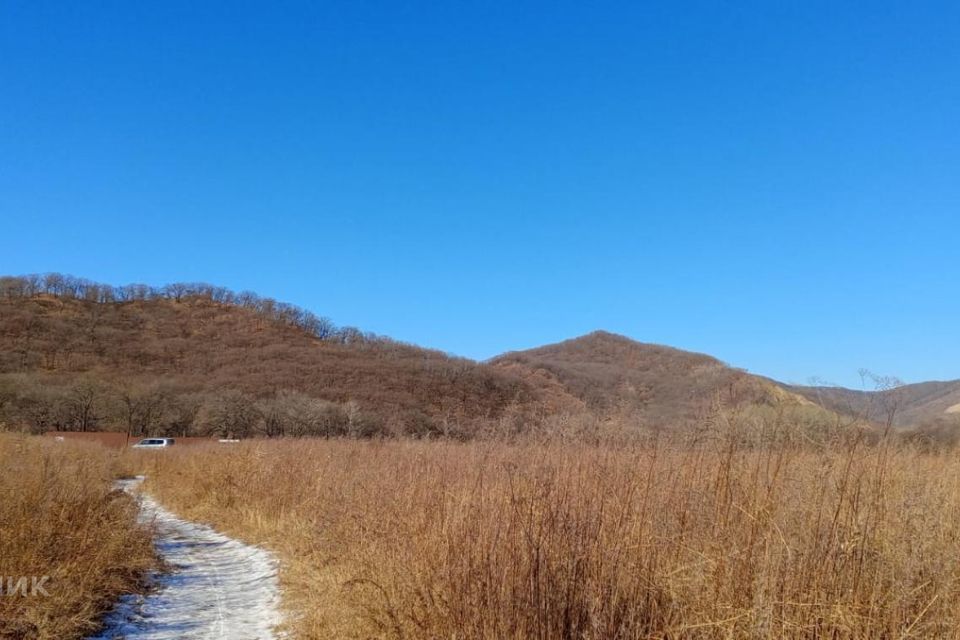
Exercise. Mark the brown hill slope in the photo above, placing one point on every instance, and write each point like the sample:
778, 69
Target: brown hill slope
206, 360
660, 386
201, 360
911, 405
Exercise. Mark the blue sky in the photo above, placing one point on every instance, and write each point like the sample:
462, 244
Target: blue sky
773, 183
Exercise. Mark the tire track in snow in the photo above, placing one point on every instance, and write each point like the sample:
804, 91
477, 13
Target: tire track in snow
217, 589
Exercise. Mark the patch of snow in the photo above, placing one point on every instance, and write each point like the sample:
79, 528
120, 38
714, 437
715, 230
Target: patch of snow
216, 587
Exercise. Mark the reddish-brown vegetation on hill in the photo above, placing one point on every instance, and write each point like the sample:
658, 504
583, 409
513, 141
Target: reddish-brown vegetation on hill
194, 359
195, 362
926, 405
660, 386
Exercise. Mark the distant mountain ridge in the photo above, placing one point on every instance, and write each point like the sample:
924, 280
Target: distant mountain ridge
613, 375
190, 359
909, 405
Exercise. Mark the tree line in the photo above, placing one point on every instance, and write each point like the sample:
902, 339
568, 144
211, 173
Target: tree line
70, 287
31, 403
175, 360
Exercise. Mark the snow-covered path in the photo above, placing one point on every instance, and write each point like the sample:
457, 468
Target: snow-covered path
217, 587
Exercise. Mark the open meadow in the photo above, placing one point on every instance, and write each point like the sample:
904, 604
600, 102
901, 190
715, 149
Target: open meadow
712, 536
661, 539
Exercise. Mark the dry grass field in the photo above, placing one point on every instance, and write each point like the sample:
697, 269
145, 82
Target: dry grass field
59, 517
663, 539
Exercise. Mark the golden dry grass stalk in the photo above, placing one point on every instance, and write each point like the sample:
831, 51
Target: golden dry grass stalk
63, 526
657, 540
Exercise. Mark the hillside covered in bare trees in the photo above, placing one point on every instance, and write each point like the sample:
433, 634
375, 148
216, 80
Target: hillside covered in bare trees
195, 359
616, 377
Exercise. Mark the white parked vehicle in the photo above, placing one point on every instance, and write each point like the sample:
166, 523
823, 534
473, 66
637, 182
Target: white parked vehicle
154, 443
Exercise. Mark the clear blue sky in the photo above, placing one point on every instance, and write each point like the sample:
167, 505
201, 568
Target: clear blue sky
774, 183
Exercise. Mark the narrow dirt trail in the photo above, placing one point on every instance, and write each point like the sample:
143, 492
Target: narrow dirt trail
217, 587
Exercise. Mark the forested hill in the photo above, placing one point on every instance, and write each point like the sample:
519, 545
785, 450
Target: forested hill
651, 384
654, 384
935, 405
198, 359
194, 359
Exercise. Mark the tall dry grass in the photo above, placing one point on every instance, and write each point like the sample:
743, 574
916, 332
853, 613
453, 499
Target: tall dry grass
668, 539
59, 517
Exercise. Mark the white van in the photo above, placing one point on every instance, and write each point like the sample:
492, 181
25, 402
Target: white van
154, 443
